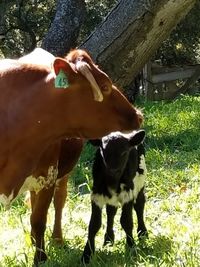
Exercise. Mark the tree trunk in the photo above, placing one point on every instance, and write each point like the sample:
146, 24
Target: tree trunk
131, 34
3, 5
63, 33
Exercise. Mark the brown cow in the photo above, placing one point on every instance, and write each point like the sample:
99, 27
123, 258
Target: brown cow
41, 104
62, 156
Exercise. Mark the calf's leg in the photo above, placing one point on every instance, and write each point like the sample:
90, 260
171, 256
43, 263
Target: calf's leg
126, 221
139, 208
109, 235
40, 202
94, 226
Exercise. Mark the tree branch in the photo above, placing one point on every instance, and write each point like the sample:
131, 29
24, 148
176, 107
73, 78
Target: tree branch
131, 34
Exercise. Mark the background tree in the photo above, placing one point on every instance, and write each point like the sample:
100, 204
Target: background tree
96, 12
144, 25
182, 47
24, 24
128, 36
65, 28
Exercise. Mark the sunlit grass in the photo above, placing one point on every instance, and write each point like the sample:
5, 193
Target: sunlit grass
172, 212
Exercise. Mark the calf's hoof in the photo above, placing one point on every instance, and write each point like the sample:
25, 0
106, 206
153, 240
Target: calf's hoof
130, 242
85, 258
108, 239
87, 253
142, 234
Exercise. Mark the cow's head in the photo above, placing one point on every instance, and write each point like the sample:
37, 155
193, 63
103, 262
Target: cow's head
99, 104
81, 62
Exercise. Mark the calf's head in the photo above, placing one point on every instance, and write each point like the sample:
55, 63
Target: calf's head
115, 149
96, 106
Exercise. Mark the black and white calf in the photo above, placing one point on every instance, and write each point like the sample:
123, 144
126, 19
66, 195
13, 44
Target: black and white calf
119, 172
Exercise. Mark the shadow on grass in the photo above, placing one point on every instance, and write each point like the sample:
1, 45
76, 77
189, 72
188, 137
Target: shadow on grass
153, 250
62, 256
150, 251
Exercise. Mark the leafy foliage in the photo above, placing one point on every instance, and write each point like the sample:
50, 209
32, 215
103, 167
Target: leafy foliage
183, 45
96, 11
26, 22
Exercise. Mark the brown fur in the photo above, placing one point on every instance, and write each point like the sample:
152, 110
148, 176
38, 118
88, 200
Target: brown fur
67, 154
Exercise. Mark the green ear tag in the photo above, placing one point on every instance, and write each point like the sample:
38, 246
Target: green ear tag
61, 80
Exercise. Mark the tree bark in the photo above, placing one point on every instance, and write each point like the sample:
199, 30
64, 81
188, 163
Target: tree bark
131, 34
3, 5
63, 33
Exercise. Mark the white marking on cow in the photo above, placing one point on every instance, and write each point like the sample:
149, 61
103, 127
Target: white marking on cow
37, 183
101, 200
7, 64
124, 196
38, 56
6, 201
32, 184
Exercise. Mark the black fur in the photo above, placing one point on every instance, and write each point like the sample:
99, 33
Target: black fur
116, 165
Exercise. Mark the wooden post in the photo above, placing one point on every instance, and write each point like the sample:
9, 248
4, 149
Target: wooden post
186, 87
148, 81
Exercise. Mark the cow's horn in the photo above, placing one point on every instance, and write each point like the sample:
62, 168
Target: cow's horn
84, 68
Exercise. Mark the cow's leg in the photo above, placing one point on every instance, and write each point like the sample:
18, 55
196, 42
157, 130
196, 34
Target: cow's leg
41, 202
94, 226
109, 235
126, 221
33, 197
59, 202
139, 208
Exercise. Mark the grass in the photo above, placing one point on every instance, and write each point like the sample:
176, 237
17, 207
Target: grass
172, 211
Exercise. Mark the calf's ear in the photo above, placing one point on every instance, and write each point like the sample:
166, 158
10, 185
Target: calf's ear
137, 137
95, 142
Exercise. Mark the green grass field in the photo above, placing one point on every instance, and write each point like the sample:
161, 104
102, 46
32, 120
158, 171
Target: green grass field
172, 211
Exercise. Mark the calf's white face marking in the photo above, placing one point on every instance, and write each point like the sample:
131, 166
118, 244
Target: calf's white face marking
124, 196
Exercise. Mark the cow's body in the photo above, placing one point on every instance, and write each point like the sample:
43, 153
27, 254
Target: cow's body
35, 116
119, 172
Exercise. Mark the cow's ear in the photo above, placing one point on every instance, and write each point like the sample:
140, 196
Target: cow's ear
63, 71
137, 138
61, 64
